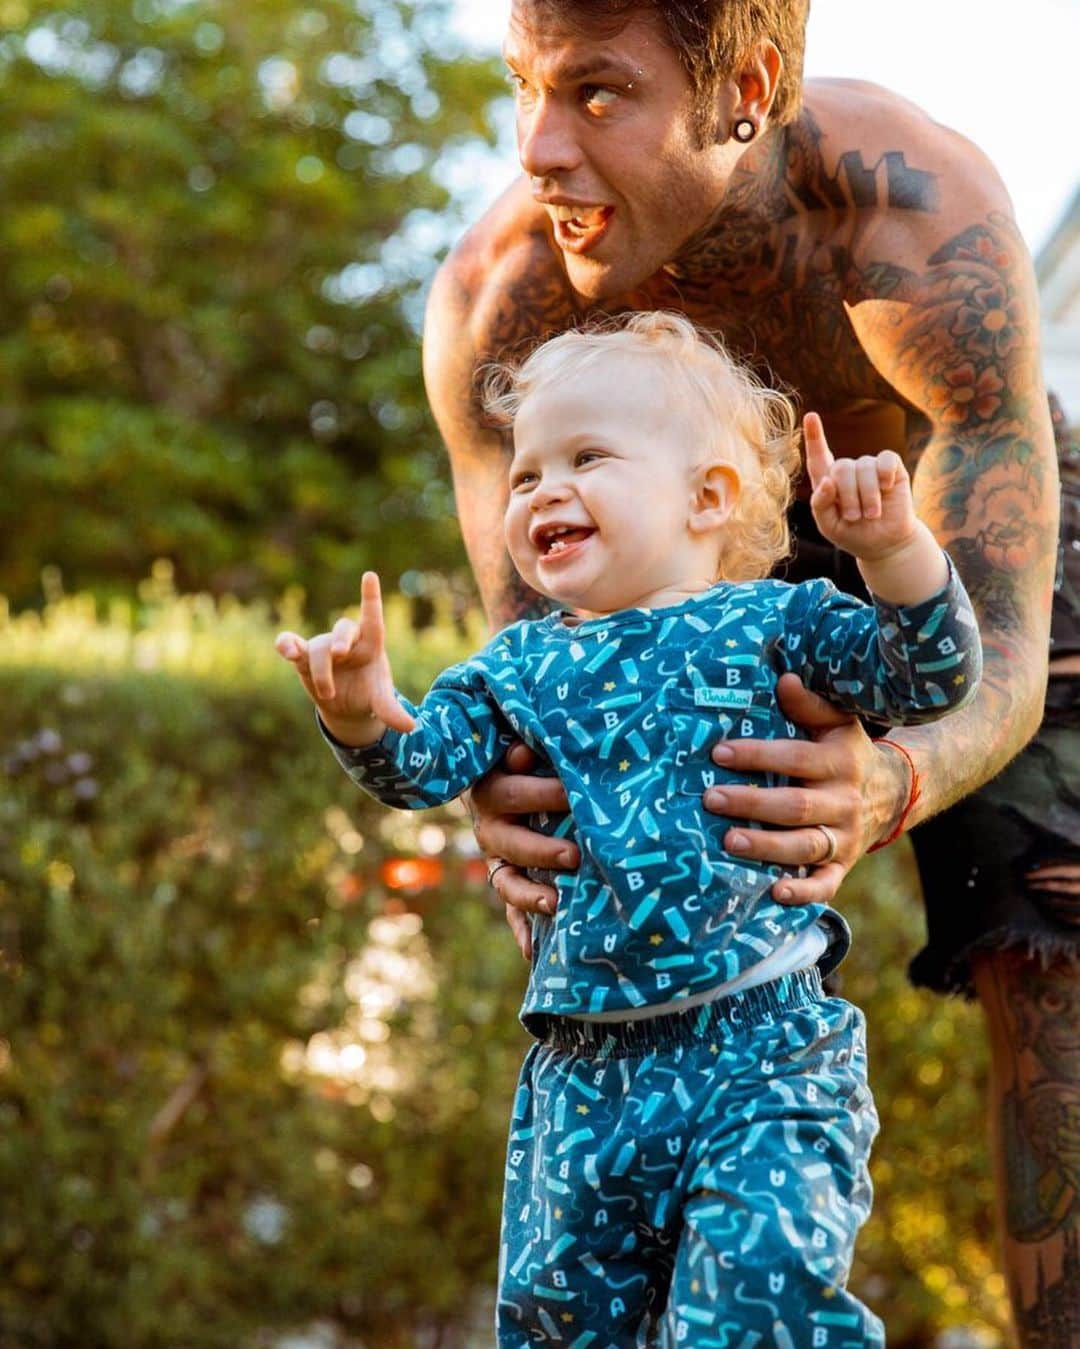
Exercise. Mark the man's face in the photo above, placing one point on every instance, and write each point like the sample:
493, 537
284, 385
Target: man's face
606, 132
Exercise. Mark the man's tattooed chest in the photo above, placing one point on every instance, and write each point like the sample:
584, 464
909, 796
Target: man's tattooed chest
778, 298
782, 314
799, 338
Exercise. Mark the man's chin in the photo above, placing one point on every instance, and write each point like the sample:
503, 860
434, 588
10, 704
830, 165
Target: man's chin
596, 280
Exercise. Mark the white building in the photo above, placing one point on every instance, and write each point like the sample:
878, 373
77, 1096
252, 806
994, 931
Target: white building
1057, 268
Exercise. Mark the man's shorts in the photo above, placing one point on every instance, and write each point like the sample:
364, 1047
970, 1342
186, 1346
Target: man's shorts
974, 857
693, 1179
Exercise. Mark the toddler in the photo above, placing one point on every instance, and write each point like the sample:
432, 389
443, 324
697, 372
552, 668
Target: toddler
687, 1160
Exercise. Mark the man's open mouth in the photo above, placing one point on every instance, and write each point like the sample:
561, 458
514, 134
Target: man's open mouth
578, 227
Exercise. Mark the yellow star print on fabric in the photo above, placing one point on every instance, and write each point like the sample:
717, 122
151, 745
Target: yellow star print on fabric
624, 764
731, 642
583, 1109
656, 939
609, 687
567, 1319
960, 679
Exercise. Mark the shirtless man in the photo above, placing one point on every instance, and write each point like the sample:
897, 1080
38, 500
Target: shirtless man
868, 258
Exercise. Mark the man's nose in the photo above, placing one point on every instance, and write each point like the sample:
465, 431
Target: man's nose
547, 145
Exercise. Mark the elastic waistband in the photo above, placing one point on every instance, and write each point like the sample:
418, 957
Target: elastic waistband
627, 1039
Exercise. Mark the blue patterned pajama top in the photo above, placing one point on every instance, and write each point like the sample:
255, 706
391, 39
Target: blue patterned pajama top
626, 709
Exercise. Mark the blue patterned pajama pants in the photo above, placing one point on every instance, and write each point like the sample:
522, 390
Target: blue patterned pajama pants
692, 1180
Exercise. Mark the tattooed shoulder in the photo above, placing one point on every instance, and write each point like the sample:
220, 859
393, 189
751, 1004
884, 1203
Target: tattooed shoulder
489, 299
525, 297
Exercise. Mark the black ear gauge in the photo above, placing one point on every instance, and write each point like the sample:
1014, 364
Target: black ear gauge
744, 130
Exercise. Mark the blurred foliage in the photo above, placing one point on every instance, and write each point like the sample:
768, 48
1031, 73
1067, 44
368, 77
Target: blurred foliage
217, 218
926, 1261
247, 1086
243, 1083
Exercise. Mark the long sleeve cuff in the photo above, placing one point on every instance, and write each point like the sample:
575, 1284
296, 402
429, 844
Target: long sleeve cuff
934, 644
355, 759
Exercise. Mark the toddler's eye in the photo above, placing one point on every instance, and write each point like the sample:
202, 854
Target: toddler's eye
522, 480
586, 457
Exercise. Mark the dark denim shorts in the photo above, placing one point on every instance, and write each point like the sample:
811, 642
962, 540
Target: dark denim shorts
974, 858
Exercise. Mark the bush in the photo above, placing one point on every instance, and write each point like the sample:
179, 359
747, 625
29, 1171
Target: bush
252, 1082
234, 1094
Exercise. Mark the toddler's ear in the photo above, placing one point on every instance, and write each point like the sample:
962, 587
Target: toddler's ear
716, 490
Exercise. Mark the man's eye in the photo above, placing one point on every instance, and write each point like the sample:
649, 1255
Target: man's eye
597, 97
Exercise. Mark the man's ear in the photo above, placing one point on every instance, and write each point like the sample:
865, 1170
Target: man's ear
716, 490
756, 82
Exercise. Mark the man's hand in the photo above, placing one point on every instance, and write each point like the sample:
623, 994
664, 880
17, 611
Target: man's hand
839, 780
497, 804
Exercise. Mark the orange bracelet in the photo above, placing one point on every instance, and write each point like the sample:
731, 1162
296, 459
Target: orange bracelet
913, 795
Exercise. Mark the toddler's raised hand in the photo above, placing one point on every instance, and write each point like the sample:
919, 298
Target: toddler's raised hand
862, 505
347, 672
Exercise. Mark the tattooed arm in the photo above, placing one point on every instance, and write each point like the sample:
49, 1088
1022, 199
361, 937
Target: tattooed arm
497, 293
942, 301
486, 303
478, 455
963, 351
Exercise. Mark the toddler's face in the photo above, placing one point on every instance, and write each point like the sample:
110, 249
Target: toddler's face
601, 486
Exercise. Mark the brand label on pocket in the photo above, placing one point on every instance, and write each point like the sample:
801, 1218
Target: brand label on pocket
706, 697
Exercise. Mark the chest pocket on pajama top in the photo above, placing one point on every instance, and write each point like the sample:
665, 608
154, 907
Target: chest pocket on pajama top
703, 714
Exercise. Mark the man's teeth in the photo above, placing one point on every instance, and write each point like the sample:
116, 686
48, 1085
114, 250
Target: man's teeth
586, 216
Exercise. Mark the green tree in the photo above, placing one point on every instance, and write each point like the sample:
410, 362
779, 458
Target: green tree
216, 220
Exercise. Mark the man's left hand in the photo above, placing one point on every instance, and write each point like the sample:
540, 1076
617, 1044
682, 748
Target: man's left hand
839, 780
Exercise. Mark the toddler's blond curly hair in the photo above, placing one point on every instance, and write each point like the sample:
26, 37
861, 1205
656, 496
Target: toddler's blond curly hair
752, 425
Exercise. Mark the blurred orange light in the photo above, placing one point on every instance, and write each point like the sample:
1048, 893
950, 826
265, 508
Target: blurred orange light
411, 873
475, 871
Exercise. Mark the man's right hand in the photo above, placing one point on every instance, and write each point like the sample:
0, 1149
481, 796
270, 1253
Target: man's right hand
497, 804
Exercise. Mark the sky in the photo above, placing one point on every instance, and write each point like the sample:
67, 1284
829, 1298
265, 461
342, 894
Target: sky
1006, 74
